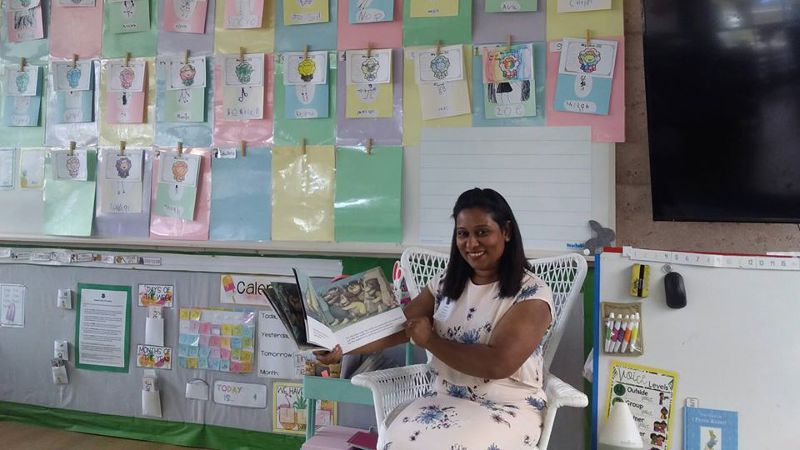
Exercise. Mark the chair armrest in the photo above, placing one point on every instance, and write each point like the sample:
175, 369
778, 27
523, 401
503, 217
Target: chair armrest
561, 394
395, 386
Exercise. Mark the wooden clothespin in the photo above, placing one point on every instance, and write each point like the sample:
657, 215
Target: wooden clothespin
438, 48
588, 36
127, 59
241, 54
71, 148
122, 148
186, 57
369, 146
74, 60
305, 52
303, 146
369, 49
509, 39
243, 148
22, 63
180, 148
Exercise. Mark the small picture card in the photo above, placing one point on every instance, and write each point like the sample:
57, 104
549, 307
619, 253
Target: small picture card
596, 59
513, 63
22, 111
76, 3
69, 167
185, 16
185, 75
22, 83
127, 167
179, 170
31, 169
566, 6
300, 12
434, 8
501, 6
243, 13
307, 101
156, 294
21, 5
447, 65
25, 24
444, 99
69, 77
130, 78
299, 68
370, 11
120, 183
249, 72
585, 76
7, 168
369, 101
129, 16
153, 357
373, 69
243, 102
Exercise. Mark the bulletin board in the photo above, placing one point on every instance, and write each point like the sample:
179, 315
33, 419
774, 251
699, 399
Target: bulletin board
733, 346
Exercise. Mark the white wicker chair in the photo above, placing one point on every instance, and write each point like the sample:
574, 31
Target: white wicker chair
394, 388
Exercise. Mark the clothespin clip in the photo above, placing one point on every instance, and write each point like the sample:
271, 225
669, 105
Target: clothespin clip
186, 57
127, 59
74, 60
180, 149
243, 148
241, 54
71, 148
369, 49
508, 41
303, 146
438, 48
305, 52
122, 148
369, 146
22, 63
588, 36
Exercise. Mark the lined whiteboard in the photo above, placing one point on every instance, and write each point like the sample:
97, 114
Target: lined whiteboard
554, 178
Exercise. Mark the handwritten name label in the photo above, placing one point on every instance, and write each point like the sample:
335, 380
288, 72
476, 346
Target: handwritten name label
516, 110
582, 5
580, 106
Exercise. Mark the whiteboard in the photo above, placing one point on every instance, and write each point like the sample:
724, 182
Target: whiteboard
735, 346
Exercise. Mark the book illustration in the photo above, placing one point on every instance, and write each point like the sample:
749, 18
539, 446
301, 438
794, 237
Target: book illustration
710, 429
289, 409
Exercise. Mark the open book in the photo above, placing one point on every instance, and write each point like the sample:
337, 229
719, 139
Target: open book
350, 312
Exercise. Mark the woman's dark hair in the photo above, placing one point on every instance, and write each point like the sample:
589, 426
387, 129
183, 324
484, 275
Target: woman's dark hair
512, 263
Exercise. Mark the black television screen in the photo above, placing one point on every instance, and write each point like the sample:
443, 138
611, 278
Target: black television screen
723, 109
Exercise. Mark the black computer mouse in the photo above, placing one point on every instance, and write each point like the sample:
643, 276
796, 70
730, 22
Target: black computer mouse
675, 290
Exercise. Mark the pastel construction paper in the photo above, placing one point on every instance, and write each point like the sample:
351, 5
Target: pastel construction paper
69, 205
138, 44
228, 40
24, 24
241, 207
369, 101
255, 132
162, 227
184, 16
72, 114
243, 13
135, 134
433, 8
318, 36
302, 193
128, 224
76, 31
412, 111
385, 131
369, 11
601, 23
427, 30
315, 131
176, 43
22, 111
608, 128
509, 6
128, 16
23, 208
303, 12
35, 52
501, 117
490, 27
388, 33
368, 194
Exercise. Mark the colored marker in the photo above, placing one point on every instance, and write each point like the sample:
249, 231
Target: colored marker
615, 334
634, 332
628, 331
609, 326
621, 335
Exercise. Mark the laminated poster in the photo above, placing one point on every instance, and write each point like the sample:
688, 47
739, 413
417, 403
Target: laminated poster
185, 16
370, 11
289, 409
220, 340
103, 327
585, 76
301, 12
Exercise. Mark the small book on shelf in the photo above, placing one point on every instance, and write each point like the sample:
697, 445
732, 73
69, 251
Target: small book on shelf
350, 312
363, 441
710, 429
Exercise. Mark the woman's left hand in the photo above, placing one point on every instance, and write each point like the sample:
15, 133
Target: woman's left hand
420, 331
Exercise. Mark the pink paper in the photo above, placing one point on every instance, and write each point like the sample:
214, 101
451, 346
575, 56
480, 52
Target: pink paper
125, 107
378, 34
256, 132
610, 128
192, 21
68, 38
189, 230
33, 28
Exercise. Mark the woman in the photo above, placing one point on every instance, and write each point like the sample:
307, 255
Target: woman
483, 321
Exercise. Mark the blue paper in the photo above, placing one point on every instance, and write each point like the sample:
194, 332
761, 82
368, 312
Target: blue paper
318, 36
596, 102
192, 134
75, 106
585, 76
241, 207
369, 11
22, 111
308, 101
709, 429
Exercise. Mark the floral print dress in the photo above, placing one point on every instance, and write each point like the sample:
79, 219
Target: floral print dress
469, 413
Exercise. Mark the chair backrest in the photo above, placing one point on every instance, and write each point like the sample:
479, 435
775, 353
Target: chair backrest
564, 274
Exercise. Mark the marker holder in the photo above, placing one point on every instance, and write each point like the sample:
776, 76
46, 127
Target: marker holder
635, 346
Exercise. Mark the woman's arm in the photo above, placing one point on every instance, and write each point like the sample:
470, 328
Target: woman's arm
421, 306
513, 340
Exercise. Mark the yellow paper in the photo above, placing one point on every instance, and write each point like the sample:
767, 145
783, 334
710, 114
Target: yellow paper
225, 341
236, 330
412, 115
254, 40
434, 8
604, 23
134, 134
194, 314
246, 356
184, 314
226, 329
302, 193
191, 363
369, 101
295, 13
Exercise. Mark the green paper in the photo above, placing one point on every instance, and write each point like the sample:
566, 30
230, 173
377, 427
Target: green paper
127, 332
23, 136
139, 43
428, 30
69, 205
193, 110
169, 205
314, 131
368, 195
501, 6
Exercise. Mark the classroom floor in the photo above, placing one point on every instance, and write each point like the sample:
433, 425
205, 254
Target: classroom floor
21, 436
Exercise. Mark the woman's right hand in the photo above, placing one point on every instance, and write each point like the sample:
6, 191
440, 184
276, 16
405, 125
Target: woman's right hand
329, 357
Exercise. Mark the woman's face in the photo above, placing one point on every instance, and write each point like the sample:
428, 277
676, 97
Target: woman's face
480, 240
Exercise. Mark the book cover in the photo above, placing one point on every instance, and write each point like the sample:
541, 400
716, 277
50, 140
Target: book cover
710, 429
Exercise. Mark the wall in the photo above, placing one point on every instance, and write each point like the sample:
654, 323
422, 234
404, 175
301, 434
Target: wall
635, 225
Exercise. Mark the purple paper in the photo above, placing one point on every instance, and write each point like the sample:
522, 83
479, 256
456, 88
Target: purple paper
387, 131
490, 28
